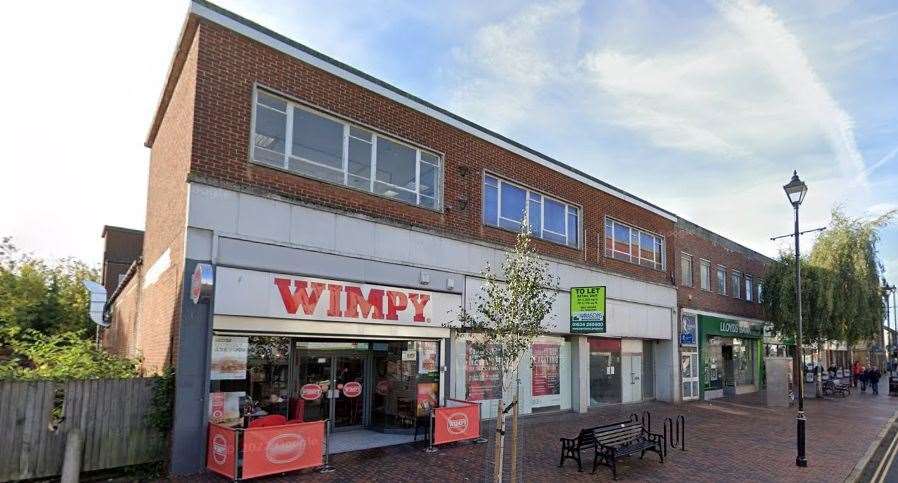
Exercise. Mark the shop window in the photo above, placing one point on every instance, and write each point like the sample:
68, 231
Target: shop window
744, 362
293, 137
604, 371
713, 364
483, 380
507, 205
685, 270
629, 244
705, 274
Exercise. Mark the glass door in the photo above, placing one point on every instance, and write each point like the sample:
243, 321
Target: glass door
349, 391
332, 386
689, 374
315, 384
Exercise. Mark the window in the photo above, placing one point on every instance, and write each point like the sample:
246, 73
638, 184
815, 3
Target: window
507, 205
292, 137
721, 280
633, 245
685, 270
748, 288
760, 292
705, 274
736, 282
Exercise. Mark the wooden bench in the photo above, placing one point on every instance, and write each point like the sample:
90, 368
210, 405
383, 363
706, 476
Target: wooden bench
571, 447
617, 440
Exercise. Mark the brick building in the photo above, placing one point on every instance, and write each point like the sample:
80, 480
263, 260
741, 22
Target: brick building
310, 225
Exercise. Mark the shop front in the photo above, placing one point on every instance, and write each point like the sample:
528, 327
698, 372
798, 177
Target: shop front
365, 358
731, 353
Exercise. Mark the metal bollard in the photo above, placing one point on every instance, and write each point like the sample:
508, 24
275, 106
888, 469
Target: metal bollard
327, 468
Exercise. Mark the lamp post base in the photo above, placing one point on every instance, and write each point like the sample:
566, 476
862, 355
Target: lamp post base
801, 461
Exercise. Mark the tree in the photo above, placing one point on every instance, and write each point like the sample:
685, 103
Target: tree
42, 295
507, 317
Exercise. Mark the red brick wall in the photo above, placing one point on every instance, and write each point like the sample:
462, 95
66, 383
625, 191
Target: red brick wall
166, 222
229, 65
703, 247
120, 337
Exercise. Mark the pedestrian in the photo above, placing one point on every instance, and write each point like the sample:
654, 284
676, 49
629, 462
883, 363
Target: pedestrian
863, 378
855, 372
873, 377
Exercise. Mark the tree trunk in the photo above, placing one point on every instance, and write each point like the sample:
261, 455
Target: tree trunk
514, 440
500, 442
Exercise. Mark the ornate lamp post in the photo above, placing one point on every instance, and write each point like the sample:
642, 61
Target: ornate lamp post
795, 191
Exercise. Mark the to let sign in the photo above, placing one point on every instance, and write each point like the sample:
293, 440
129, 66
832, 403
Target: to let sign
588, 310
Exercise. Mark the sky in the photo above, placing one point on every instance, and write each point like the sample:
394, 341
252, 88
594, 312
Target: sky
701, 107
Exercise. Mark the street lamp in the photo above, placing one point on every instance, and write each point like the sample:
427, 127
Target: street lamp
795, 191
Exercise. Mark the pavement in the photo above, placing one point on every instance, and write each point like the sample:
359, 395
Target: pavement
737, 439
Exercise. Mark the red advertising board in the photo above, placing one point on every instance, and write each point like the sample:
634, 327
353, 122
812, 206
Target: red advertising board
545, 380
277, 449
458, 421
221, 454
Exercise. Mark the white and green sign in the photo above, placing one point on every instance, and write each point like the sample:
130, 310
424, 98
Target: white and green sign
588, 310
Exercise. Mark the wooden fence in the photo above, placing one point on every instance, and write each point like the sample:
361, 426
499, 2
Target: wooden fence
109, 412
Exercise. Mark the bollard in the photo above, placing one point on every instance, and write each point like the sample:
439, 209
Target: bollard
71, 464
430, 447
327, 468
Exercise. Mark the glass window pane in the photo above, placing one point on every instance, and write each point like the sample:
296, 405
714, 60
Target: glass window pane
509, 224
271, 101
548, 235
573, 229
315, 171
271, 128
395, 164
554, 216
609, 238
429, 180
622, 238
634, 244
317, 139
490, 181
359, 183
394, 192
534, 215
360, 133
268, 157
430, 158
647, 247
359, 158
513, 202
428, 202
491, 205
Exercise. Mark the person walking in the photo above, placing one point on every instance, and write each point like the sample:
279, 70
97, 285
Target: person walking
863, 377
873, 378
855, 372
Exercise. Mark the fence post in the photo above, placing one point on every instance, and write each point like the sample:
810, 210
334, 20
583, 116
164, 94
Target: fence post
71, 465
327, 468
481, 439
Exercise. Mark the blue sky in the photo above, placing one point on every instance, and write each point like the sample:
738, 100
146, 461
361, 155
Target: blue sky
704, 108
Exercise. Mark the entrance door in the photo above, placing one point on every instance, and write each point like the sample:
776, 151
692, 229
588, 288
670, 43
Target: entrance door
631, 372
729, 373
341, 390
689, 375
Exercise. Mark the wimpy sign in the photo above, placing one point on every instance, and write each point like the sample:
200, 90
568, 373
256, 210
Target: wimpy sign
262, 294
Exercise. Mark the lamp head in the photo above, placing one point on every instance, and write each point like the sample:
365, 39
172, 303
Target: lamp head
795, 190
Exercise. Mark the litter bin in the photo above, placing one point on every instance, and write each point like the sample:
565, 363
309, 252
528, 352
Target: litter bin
893, 386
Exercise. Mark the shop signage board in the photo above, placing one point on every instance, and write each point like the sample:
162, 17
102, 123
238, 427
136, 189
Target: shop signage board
546, 380
221, 453
201, 282
278, 449
228, 357
588, 314
224, 407
689, 331
264, 294
730, 327
483, 381
457, 421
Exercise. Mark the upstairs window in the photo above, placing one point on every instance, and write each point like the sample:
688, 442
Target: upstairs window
736, 280
685, 270
760, 292
507, 205
292, 137
630, 244
705, 275
721, 280
748, 288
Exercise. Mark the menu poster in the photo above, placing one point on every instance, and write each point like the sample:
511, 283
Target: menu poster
427, 397
427, 357
546, 380
482, 380
228, 357
224, 407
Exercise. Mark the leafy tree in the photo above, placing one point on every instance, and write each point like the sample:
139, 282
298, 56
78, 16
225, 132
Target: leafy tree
41, 295
59, 357
507, 317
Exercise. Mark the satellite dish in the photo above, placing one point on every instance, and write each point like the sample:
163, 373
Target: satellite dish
97, 302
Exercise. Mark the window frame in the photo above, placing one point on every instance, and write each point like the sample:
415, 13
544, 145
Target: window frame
726, 274
736, 276
603, 248
702, 262
749, 287
528, 192
347, 125
691, 282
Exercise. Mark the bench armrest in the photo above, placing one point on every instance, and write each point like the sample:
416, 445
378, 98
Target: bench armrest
568, 442
657, 438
